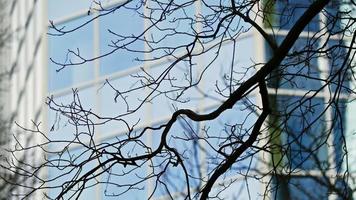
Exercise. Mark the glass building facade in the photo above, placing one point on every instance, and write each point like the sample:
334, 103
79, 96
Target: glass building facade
306, 158
118, 69
97, 82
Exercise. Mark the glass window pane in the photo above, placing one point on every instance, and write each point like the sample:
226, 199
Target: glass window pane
172, 91
120, 103
121, 181
173, 30
231, 128
300, 188
69, 165
119, 33
61, 127
211, 14
80, 40
303, 132
300, 69
216, 65
339, 73
241, 187
333, 16
58, 9
343, 189
288, 13
183, 137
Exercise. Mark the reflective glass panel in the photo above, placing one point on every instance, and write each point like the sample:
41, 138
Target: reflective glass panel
62, 129
303, 135
230, 130
120, 103
339, 69
300, 188
80, 41
172, 28
287, 14
67, 166
183, 137
120, 181
300, 69
121, 38
58, 9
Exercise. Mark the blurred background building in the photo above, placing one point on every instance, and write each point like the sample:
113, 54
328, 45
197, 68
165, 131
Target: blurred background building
32, 76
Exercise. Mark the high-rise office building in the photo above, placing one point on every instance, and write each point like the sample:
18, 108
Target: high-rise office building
50, 55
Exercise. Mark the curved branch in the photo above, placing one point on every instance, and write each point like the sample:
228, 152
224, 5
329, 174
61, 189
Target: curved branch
245, 145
